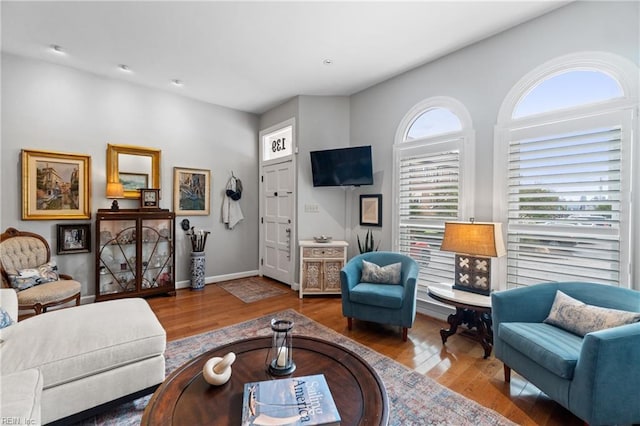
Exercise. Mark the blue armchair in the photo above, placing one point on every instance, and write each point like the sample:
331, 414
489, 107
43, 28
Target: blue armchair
393, 304
597, 376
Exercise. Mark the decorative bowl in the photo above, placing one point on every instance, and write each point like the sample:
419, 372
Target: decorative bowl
322, 239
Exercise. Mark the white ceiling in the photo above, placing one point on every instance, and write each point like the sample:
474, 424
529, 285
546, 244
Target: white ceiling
252, 56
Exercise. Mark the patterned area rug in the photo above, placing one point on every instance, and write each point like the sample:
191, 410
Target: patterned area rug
251, 289
413, 398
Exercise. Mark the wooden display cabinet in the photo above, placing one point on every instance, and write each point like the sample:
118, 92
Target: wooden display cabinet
135, 255
320, 265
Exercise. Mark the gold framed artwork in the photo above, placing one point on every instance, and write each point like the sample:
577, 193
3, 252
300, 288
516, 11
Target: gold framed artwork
191, 189
55, 185
371, 210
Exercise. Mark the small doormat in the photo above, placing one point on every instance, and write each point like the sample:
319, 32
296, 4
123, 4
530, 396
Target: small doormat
252, 289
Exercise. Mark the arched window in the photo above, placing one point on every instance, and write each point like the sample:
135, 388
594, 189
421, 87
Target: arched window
570, 88
433, 145
433, 122
562, 177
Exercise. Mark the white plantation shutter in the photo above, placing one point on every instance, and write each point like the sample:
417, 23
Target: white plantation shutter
428, 195
568, 186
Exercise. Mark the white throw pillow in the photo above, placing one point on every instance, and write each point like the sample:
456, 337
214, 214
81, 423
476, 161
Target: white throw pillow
579, 318
372, 273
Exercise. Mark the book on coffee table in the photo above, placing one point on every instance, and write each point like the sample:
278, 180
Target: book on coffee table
302, 400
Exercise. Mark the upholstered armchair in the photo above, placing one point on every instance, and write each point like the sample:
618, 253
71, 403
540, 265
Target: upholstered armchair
369, 295
582, 356
25, 264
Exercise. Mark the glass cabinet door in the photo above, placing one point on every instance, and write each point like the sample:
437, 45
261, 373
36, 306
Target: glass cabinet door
156, 253
117, 254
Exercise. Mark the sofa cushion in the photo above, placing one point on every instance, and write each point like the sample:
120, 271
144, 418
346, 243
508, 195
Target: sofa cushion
550, 347
69, 344
5, 318
21, 396
29, 277
383, 295
372, 273
579, 318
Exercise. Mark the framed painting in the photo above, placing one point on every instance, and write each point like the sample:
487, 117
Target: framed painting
191, 189
133, 181
74, 238
371, 210
55, 185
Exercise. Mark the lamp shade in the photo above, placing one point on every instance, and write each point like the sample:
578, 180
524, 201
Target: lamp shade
115, 190
473, 238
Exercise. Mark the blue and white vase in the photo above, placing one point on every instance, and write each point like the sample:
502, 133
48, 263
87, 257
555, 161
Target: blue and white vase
197, 270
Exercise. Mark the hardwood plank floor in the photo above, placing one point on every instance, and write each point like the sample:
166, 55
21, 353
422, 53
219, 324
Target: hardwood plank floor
459, 365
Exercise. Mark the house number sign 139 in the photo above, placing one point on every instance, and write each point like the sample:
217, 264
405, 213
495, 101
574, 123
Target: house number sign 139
277, 144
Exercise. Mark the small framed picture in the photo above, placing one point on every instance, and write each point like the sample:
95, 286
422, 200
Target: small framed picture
74, 238
371, 210
191, 189
149, 198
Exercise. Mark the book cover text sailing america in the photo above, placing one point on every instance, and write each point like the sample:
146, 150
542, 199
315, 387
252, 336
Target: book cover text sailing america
292, 401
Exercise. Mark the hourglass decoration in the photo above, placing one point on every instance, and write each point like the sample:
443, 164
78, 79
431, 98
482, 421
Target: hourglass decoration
281, 363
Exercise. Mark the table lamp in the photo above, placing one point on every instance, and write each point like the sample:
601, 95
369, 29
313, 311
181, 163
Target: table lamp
115, 190
474, 244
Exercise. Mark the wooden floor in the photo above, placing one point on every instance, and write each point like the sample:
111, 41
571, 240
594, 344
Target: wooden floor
459, 365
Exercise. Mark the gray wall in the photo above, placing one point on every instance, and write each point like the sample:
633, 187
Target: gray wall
480, 76
55, 108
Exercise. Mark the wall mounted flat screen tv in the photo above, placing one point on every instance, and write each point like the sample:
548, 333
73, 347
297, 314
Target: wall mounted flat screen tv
342, 167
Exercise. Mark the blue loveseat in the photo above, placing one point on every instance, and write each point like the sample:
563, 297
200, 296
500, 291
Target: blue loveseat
596, 377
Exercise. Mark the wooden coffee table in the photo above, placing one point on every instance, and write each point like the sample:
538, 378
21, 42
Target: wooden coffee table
184, 398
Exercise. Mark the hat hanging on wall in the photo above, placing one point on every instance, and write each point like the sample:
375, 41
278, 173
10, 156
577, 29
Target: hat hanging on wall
234, 188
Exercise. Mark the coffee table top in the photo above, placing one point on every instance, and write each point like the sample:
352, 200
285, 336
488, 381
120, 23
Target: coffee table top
185, 398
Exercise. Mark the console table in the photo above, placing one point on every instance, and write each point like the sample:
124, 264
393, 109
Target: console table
471, 309
185, 398
320, 265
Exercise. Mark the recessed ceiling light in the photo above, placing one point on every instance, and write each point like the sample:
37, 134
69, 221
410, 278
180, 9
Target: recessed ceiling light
177, 82
124, 68
56, 48
327, 61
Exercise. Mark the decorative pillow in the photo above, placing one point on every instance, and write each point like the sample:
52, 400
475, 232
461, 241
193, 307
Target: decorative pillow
580, 318
26, 278
372, 273
5, 318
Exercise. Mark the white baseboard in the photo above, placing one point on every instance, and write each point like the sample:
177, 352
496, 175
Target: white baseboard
219, 278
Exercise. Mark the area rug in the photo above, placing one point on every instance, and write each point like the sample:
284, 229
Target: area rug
251, 289
413, 398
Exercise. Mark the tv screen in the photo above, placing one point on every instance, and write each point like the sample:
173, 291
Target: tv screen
342, 167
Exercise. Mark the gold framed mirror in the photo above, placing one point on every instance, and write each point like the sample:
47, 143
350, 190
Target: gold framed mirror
134, 166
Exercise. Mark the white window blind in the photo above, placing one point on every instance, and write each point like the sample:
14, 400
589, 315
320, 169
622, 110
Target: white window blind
566, 201
429, 188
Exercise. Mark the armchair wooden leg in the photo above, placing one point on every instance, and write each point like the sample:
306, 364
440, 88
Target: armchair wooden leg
507, 373
349, 323
405, 332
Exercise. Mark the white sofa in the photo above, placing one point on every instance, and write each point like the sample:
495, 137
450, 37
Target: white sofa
70, 363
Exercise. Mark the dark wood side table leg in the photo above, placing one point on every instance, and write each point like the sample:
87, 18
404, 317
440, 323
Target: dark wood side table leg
454, 321
485, 334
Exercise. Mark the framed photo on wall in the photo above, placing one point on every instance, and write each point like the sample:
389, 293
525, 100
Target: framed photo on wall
191, 189
74, 238
55, 185
371, 210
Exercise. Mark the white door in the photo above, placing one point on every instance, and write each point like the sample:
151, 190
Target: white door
277, 221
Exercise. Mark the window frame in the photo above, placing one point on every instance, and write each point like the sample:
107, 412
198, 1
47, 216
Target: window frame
626, 107
462, 140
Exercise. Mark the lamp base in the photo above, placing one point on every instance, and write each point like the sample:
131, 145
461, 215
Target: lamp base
114, 206
280, 371
473, 274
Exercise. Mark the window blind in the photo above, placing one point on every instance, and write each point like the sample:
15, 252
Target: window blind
428, 196
564, 202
